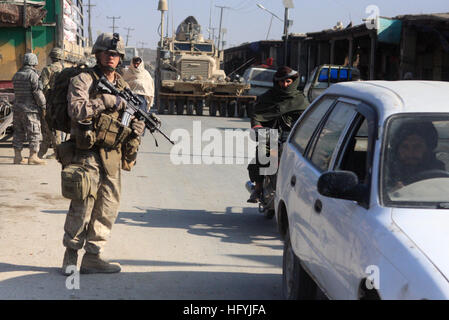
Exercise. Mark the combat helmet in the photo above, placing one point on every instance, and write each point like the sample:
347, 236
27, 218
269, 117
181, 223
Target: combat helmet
30, 59
57, 53
109, 42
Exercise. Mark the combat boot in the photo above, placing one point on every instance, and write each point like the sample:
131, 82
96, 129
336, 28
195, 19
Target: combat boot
34, 159
93, 263
70, 259
18, 157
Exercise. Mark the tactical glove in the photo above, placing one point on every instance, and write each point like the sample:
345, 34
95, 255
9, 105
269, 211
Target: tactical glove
113, 102
138, 127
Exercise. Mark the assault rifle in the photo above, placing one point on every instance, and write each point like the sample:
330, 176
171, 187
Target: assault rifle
152, 122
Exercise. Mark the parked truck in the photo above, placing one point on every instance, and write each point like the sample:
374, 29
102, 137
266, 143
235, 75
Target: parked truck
189, 76
36, 26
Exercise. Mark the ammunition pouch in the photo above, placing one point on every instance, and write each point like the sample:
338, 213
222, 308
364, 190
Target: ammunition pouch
85, 136
110, 133
65, 152
75, 182
130, 149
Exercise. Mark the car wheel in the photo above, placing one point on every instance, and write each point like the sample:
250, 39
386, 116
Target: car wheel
296, 283
269, 214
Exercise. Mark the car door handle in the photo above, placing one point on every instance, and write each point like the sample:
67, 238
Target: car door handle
293, 181
318, 206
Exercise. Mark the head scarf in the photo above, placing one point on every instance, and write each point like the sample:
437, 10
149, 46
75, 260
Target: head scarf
140, 81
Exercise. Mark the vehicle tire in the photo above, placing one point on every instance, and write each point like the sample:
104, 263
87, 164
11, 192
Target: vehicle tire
179, 107
269, 214
161, 107
296, 283
231, 108
222, 110
213, 108
199, 108
189, 107
241, 107
171, 106
250, 109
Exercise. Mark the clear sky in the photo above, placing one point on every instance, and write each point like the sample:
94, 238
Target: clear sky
244, 21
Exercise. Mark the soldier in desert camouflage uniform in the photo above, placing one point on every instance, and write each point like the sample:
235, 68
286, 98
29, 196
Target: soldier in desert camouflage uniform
29, 105
47, 79
89, 221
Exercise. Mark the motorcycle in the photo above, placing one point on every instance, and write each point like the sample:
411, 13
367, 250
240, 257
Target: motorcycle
268, 192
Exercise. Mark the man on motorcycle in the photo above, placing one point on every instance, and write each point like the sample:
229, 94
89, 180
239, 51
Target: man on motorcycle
278, 108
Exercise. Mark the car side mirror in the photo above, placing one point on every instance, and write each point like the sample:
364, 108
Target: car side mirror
343, 185
302, 83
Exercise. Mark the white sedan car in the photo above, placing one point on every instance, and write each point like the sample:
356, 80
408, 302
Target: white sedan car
362, 196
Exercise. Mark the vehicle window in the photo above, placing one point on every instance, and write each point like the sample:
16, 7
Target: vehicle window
246, 74
328, 139
263, 75
202, 47
354, 157
309, 122
416, 161
182, 46
324, 75
336, 75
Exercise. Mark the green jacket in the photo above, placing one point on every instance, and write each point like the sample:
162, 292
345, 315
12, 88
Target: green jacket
279, 107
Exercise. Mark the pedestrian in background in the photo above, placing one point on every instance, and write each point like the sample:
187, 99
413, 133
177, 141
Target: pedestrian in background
47, 80
29, 106
140, 81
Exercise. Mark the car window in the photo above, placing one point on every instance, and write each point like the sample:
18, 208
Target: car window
304, 130
356, 151
263, 75
246, 74
416, 161
330, 135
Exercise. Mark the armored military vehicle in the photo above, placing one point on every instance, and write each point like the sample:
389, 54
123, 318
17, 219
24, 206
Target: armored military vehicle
189, 78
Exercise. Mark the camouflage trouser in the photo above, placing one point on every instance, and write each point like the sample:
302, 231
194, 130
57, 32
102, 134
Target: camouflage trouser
27, 128
48, 138
89, 222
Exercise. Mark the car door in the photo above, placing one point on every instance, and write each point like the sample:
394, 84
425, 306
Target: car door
338, 223
320, 157
293, 176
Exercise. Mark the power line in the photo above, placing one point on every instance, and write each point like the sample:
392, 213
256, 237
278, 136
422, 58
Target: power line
89, 26
127, 34
219, 29
113, 23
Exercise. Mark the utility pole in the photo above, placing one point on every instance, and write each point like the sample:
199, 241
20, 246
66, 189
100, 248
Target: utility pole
113, 23
89, 27
212, 30
288, 4
142, 43
221, 19
210, 17
127, 35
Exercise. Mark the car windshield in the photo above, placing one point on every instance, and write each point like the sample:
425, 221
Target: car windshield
416, 161
263, 75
